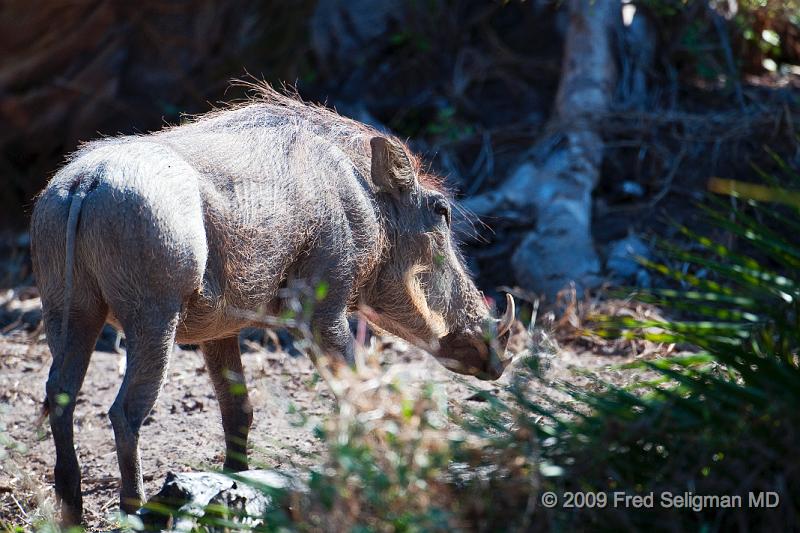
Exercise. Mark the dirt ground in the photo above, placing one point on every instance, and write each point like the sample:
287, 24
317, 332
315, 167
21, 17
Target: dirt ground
184, 432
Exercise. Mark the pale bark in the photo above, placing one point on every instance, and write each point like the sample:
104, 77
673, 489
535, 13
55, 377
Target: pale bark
185, 499
555, 182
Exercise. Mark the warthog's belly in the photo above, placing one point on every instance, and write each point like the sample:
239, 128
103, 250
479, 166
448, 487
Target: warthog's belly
203, 319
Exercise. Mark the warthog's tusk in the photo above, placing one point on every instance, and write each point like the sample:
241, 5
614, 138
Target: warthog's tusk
508, 318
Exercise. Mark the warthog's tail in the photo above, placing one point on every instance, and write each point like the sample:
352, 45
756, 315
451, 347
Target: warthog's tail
69, 262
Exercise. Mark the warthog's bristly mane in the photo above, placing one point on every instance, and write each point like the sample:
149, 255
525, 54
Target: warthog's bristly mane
349, 135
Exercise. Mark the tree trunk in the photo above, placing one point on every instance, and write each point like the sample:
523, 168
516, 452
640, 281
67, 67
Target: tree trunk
556, 180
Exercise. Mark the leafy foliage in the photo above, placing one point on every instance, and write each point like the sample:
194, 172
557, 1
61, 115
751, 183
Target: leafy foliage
719, 418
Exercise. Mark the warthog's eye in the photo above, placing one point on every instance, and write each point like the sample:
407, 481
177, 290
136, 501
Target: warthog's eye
442, 208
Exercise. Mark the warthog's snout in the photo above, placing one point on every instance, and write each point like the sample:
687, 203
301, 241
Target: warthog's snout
482, 351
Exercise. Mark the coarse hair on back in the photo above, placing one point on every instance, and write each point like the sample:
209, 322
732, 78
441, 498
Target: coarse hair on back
350, 135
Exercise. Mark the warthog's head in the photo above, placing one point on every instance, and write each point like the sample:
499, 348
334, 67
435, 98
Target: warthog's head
423, 292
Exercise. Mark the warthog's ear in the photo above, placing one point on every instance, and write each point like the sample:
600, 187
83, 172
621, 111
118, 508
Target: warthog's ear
392, 170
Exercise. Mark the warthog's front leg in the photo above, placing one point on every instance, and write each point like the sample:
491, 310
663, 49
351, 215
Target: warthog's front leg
224, 363
329, 319
332, 330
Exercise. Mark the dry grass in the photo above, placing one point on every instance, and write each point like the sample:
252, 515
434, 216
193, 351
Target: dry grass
392, 414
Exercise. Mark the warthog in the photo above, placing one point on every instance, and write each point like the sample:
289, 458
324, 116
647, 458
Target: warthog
170, 236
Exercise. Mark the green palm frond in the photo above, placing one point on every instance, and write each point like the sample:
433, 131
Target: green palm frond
719, 418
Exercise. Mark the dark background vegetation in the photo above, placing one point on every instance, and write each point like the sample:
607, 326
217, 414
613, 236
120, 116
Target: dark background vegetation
471, 84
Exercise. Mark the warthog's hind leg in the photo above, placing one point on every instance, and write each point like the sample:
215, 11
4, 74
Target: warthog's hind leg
224, 363
150, 334
71, 354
